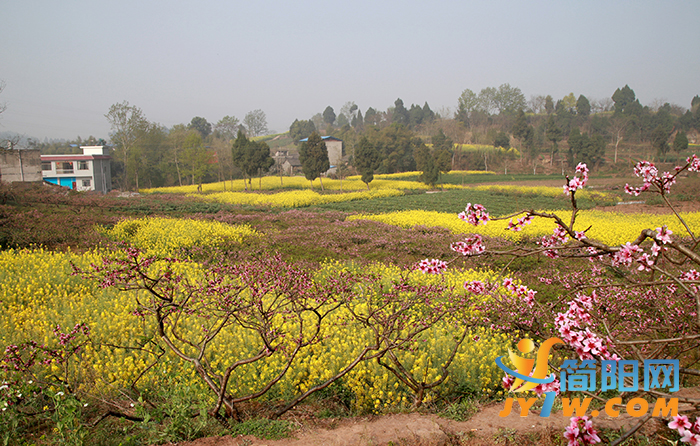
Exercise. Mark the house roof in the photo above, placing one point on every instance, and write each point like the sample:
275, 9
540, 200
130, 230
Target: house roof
325, 138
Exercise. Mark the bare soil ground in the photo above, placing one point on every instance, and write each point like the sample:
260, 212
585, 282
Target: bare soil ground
484, 428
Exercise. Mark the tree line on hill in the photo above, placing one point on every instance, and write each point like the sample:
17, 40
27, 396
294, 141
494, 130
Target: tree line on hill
543, 131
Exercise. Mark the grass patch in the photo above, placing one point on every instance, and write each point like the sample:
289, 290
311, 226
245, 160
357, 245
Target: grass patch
262, 428
454, 200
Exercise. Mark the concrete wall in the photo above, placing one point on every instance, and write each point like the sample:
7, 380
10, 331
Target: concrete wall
20, 165
335, 151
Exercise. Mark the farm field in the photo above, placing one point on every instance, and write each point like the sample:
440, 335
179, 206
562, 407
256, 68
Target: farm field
107, 300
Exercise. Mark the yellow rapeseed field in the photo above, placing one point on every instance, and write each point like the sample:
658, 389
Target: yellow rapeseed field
164, 236
38, 292
608, 227
394, 181
295, 198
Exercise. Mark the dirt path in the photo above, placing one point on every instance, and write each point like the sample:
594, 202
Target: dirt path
486, 428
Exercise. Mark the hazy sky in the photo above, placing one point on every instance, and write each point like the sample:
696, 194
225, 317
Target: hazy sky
65, 62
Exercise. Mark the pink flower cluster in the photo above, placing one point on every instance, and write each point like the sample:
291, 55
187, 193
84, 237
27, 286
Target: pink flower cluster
554, 386
693, 163
648, 172
475, 214
432, 266
65, 338
508, 382
577, 182
520, 223
520, 291
690, 433
627, 254
559, 237
694, 276
470, 246
630, 253
663, 234
571, 329
475, 287
580, 432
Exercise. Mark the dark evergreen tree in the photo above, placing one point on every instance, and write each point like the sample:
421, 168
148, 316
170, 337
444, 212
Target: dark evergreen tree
502, 140
252, 157
583, 106
401, 115
367, 160
415, 116
520, 128
301, 129
625, 101
549, 105
371, 117
428, 114
313, 156
357, 121
553, 134
680, 142
329, 115
201, 125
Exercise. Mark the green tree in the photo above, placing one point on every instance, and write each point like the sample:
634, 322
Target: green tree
329, 116
401, 115
396, 144
357, 121
128, 127
255, 123
201, 125
549, 104
502, 140
148, 163
372, 117
443, 149
583, 106
342, 120
349, 109
428, 114
433, 162
227, 128
430, 171
467, 104
521, 126
625, 102
313, 156
367, 160
176, 143
196, 159
509, 99
487, 100
659, 140
553, 133
569, 103
585, 149
415, 116
300, 130
680, 142
252, 157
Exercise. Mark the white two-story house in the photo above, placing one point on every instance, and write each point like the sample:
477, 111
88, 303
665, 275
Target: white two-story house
89, 171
